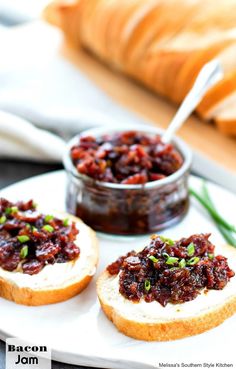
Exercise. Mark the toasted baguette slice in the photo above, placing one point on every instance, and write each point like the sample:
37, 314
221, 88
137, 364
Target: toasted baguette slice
226, 116
216, 96
152, 322
57, 282
154, 28
219, 105
189, 71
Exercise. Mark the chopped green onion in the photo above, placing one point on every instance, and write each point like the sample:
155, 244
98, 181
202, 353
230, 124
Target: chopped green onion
8, 211
191, 249
24, 252
3, 219
193, 261
182, 263
48, 228
211, 256
23, 238
28, 226
48, 218
12, 210
172, 260
153, 259
165, 255
34, 229
167, 240
147, 285
34, 205
66, 222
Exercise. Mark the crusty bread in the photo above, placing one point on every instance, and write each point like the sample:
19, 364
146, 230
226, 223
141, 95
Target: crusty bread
192, 66
216, 96
57, 282
162, 43
152, 322
219, 105
226, 116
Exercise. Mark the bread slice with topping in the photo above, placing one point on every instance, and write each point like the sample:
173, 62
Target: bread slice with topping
39, 265
168, 306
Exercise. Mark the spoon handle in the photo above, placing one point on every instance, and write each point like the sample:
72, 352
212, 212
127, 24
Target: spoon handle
209, 75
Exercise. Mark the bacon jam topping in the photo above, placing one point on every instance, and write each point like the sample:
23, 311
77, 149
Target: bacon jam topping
29, 240
129, 158
170, 271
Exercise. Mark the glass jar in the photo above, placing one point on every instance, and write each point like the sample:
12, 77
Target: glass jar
128, 209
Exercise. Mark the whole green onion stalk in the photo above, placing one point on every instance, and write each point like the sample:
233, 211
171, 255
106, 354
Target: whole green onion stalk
226, 229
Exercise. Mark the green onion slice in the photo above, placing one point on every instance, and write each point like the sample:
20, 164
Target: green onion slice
172, 260
8, 211
48, 228
153, 259
66, 222
167, 240
23, 238
147, 285
24, 252
193, 261
211, 256
191, 249
12, 210
182, 263
48, 218
3, 219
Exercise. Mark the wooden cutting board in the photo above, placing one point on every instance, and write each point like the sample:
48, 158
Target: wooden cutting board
203, 137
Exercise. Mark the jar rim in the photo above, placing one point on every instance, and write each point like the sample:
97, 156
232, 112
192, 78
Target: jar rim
181, 146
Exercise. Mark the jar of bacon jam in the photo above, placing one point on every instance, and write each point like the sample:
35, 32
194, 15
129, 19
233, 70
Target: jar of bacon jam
127, 182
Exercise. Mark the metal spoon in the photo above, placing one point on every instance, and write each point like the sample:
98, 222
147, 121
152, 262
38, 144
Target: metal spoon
210, 74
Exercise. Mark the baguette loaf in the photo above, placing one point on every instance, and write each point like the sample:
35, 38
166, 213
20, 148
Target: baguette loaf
162, 43
55, 282
153, 322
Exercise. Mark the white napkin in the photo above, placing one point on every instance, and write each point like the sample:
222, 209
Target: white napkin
19, 138
17, 11
40, 86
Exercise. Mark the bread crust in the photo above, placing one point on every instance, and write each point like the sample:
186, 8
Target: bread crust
191, 68
36, 297
227, 126
170, 329
216, 94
